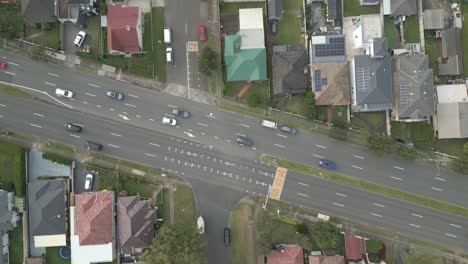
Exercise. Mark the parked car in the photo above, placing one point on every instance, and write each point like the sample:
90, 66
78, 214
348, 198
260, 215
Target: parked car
93, 146
270, 124
79, 39
202, 31
63, 93
73, 127
244, 141
169, 121
227, 236
181, 113
115, 95
327, 164
288, 129
3, 65
89, 181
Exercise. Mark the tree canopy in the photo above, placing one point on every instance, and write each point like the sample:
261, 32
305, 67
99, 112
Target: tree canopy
326, 235
310, 110
208, 62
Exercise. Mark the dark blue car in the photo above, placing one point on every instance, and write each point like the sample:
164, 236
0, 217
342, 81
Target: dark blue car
327, 164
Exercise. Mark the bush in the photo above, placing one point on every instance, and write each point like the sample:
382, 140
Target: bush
310, 109
57, 158
208, 62
407, 153
301, 228
380, 144
326, 235
254, 100
374, 258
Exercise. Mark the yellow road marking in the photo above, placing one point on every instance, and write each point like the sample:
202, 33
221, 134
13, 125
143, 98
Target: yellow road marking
278, 183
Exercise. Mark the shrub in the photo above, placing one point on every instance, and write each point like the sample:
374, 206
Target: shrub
254, 100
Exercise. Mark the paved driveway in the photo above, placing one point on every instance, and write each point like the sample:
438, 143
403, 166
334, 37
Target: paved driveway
70, 31
80, 176
37, 166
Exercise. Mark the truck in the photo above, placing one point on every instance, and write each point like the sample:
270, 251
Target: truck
270, 124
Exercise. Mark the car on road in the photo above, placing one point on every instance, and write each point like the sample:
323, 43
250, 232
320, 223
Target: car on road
169, 55
169, 121
244, 141
93, 146
72, 127
115, 95
181, 113
270, 124
3, 65
63, 93
327, 164
79, 39
288, 129
89, 181
227, 236
202, 32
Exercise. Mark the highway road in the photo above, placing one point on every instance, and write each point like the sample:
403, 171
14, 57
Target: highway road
211, 167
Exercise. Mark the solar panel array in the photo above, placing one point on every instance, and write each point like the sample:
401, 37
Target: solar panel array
403, 91
334, 47
363, 79
319, 81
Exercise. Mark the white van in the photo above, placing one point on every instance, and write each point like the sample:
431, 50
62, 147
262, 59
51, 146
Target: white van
269, 124
167, 35
169, 57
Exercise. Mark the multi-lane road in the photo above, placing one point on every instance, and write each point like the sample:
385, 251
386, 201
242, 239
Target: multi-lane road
203, 149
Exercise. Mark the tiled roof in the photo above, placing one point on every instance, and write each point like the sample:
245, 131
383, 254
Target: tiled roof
326, 259
290, 255
353, 247
122, 32
289, 65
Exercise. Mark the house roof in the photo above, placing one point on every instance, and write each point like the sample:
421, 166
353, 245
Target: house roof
400, 7
275, 8
353, 247
47, 207
251, 28
38, 11
335, 12
94, 217
451, 42
122, 29
290, 64
290, 255
452, 120
136, 223
413, 81
5, 214
366, 28
71, 8
328, 48
434, 19
244, 64
330, 83
326, 259
452, 93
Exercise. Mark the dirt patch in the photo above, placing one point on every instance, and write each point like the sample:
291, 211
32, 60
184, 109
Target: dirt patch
230, 24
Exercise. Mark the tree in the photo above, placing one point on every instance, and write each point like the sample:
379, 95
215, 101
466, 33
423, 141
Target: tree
254, 100
407, 153
310, 109
264, 227
208, 62
326, 235
177, 244
461, 164
380, 144
10, 22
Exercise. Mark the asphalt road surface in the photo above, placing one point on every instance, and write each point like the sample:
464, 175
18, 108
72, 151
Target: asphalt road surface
211, 168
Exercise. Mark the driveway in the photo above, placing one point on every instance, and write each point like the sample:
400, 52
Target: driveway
80, 177
37, 166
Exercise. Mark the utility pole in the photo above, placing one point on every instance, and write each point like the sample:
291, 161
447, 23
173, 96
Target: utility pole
267, 195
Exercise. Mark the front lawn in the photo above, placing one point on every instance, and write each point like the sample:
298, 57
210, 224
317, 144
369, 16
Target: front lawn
418, 257
296, 104
162, 202
242, 240
261, 88
184, 206
12, 168
353, 8
411, 26
284, 233
233, 8
52, 256
94, 32
373, 246
370, 122
16, 245
290, 25
50, 37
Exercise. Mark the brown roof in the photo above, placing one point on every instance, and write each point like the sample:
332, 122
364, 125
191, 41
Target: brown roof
353, 247
290, 255
122, 32
335, 90
136, 223
326, 260
94, 220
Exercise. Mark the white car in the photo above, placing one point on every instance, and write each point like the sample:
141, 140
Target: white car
169, 121
88, 181
63, 93
79, 39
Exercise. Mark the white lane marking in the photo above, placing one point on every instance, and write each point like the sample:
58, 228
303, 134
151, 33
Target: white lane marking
51, 84
396, 178
436, 189
318, 156
154, 144
134, 96
172, 106
93, 85
454, 225
78, 125
114, 134
303, 184
439, 179
98, 106
130, 105
72, 135
228, 140
420, 216
12, 63
201, 124
320, 146
93, 95
53, 74
450, 235
36, 114
114, 146
151, 155
340, 194
244, 125
242, 135
356, 167
85, 102
376, 215
301, 194
337, 204
359, 157
398, 168
379, 205
278, 145
11, 73
279, 135
1, 116
2, 105
35, 125
112, 109
415, 225
211, 116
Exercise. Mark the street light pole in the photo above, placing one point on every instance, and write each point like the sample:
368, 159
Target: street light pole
267, 195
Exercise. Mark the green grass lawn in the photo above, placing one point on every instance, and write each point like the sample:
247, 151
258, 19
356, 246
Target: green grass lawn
373, 246
434, 51
94, 33
262, 88
391, 33
412, 30
12, 168
290, 26
374, 120
418, 257
16, 245
52, 256
14, 91
464, 36
233, 8
284, 233
296, 104
162, 202
12, 22
51, 37
242, 240
322, 113
353, 8
453, 146
159, 48
184, 206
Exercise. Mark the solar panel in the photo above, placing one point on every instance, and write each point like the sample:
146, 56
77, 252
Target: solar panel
363, 79
403, 92
334, 47
317, 81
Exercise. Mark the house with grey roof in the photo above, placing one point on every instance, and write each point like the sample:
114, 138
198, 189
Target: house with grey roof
47, 215
5, 226
451, 62
335, 13
371, 79
413, 88
290, 69
275, 10
434, 19
38, 11
396, 8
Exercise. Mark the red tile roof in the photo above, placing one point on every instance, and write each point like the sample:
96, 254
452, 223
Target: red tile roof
94, 219
326, 260
353, 247
291, 255
122, 32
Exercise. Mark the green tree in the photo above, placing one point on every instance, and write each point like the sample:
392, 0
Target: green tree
461, 165
326, 235
310, 109
407, 153
177, 244
264, 227
208, 61
380, 144
11, 24
254, 100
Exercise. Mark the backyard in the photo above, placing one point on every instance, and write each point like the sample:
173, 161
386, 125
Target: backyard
464, 34
242, 247
353, 8
16, 244
290, 24
184, 206
12, 168
433, 50
52, 256
391, 33
411, 26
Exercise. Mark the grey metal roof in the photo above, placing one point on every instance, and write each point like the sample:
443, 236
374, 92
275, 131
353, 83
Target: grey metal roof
434, 19
453, 120
369, 2
38, 11
403, 7
379, 47
330, 48
5, 214
289, 64
335, 12
275, 8
451, 62
47, 207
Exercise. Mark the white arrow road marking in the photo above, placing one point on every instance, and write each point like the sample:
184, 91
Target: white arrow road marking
124, 117
189, 134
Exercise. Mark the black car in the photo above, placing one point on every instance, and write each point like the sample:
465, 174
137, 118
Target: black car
227, 236
73, 127
115, 95
244, 141
93, 146
181, 113
288, 129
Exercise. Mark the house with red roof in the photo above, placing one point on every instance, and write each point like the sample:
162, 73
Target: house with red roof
124, 30
287, 255
92, 228
353, 247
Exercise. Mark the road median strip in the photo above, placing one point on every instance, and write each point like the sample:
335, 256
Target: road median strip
367, 186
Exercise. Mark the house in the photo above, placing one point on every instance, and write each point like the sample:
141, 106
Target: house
413, 87
124, 30
434, 19
76, 11
290, 69
289, 255
452, 111
245, 52
366, 28
335, 13
369, 2
275, 10
47, 214
396, 8
135, 225
330, 83
321, 259
451, 62
327, 48
38, 11
5, 226
353, 247
92, 228
371, 79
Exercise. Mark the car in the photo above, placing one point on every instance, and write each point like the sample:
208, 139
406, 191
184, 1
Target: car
115, 95
3, 65
181, 113
73, 127
227, 236
288, 129
169, 121
244, 141
93, 146
169, 55
202, 32
63, 93
79, 39
89, 181
327, 164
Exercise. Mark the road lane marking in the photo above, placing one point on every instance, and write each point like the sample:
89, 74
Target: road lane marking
244, 125
154, 144
228, 140
242, 135
356, 167
114, 134
320, 146
396, 178
318, 156
172, 106
379, 205
415, 225
85, 102
72, 135
36, 114
2, 105
1, 116
279, 135
130, 105
303, 184
35, 125
114, 146
134, 96
278, 145
53, 74
340, 194
337, 204
151, 155
301, 194
450, 235
98, 106
359, 157
93, 85
436, 189
12, 63
398, 168
420, 216
439, 179
454, 225
211, 116
51, 84
93, 95
201, 124
376, 215
11, 73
